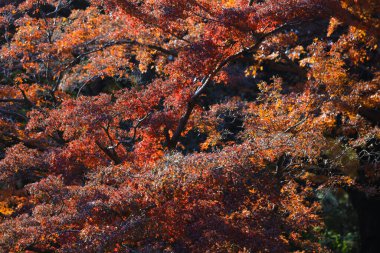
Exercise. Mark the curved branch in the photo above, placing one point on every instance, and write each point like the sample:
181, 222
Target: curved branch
110, 153
105, 46
206, 82
13, 113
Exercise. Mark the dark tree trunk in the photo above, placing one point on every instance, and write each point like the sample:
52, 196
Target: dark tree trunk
368, 211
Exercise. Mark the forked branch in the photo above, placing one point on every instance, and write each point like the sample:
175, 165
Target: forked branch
207, 81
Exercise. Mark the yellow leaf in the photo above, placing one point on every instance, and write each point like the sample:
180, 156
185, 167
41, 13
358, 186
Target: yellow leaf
4, 209
334, 23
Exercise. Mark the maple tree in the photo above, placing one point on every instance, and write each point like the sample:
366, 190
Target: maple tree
186, 126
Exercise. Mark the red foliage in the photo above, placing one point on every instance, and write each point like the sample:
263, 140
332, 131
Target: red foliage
98, 101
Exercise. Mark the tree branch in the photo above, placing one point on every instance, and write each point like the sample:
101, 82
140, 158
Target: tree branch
13, 113
26, 99
109, 152
296, 125
12, 100
206, 82
107, 45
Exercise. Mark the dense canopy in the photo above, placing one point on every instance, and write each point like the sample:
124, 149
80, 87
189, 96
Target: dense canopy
186, 126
